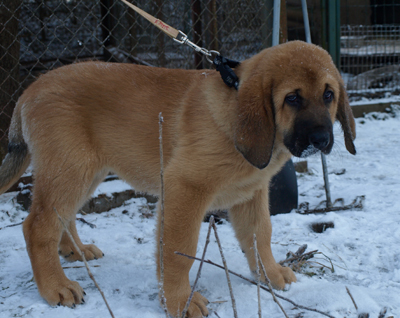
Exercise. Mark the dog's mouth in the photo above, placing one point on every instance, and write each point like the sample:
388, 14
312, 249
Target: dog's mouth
309, 151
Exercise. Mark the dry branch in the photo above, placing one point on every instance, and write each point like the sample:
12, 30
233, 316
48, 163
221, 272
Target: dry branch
86, 222
268, 282
255, 283
84, 260
352, 299
270, 287
68, 267
297, 260
358, 204
256, 256
161, 243
226, 271
11, 225
382, 313
200, 267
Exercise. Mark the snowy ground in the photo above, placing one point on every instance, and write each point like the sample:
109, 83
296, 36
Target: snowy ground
363, 246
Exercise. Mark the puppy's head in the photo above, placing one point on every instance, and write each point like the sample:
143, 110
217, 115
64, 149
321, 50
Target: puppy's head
290, 94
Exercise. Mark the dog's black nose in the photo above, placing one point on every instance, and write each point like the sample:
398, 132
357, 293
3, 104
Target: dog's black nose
319, 139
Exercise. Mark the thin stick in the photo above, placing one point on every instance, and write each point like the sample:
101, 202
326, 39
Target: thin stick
11, 225
300, 257
226, 271
84, 260
200, 267
270, 286
255, 283
215, 313
67, 267
86, 222
256, 255
161, 243
352, 299
382, 313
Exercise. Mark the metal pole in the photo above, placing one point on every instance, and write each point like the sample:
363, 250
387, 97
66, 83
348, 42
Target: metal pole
323, 158
326, 181
306, 21
276, 22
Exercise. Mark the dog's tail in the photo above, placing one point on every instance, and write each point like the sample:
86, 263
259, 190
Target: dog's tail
18, 158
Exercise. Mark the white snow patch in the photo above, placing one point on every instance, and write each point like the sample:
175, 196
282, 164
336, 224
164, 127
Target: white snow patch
363, 246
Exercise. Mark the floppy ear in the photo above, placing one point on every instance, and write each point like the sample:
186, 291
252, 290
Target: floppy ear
345, 116
255, 126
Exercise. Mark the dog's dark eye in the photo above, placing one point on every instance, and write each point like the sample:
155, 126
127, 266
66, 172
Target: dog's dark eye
328, 96
293, 99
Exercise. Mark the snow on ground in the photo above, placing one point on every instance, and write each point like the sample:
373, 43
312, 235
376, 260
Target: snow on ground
363, 246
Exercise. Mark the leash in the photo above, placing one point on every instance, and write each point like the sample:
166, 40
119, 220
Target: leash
223, 65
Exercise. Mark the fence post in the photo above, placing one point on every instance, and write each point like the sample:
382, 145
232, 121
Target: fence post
276, 22
266, 26
9, 66
283, 34
334, 31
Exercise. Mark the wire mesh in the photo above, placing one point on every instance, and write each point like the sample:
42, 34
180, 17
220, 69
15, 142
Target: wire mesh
40, 35
370, 46
370, 57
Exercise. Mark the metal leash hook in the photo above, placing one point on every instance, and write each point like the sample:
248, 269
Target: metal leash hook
223, 65
182, 38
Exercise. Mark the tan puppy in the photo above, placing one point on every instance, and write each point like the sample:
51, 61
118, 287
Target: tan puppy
221, 148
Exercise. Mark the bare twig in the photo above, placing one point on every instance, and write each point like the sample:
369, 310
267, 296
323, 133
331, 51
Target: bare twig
215, 313
200, 267
296, 257
86, 222
256, 256
255, 283
4, 297
11, 225
68, 267
301, 250
358, 203
226, 271
84, 260
161, 243
270, 286
352, 299
382, 313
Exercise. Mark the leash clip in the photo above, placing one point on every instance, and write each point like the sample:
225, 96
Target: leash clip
182, 38
224, 67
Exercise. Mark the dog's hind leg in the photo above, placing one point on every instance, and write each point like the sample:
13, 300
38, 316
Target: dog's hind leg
66, 247
65, 190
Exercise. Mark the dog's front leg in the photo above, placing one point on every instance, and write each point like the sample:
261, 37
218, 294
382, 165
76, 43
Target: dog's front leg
184, 209
252, 217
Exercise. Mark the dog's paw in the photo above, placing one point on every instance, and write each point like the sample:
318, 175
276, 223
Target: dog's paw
66, 293
70, 254
280, 276
197, 307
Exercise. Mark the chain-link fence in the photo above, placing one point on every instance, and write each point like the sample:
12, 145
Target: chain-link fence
370, 46
40, 35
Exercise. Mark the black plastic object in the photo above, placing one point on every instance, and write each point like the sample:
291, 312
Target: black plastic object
283, 194
224, 67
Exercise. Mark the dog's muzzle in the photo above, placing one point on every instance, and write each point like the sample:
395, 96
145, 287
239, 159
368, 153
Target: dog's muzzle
319, 140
